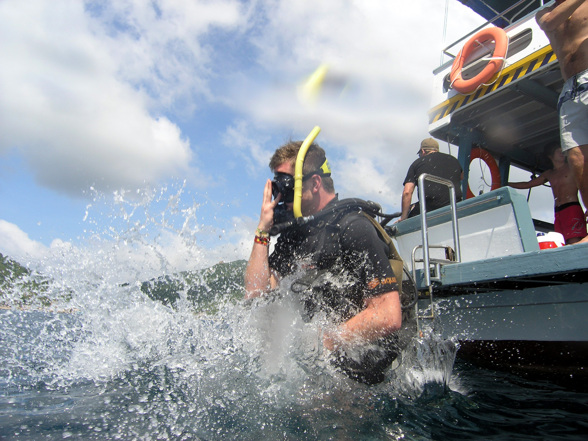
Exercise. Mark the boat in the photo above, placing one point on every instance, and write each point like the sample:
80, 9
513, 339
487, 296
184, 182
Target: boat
483, 276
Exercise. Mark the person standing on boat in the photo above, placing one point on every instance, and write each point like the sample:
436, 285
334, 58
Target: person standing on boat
566, 25
569, 217
360, 291
433, 162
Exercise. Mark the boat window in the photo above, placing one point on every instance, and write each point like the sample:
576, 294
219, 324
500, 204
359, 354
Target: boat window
519, 42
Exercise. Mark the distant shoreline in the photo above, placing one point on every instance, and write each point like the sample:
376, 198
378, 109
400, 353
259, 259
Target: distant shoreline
28, 309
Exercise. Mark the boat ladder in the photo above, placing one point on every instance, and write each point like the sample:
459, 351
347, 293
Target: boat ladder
432, 266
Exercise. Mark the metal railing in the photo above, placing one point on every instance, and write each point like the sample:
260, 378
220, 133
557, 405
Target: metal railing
424, 228
425, 245
501, 15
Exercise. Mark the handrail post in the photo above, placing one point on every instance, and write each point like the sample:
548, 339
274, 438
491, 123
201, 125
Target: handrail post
424, 229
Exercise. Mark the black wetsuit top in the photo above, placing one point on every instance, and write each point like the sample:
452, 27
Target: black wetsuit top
437, 164
343, 262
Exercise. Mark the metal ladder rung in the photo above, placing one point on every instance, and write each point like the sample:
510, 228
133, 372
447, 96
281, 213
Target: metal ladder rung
435, 263
441, 261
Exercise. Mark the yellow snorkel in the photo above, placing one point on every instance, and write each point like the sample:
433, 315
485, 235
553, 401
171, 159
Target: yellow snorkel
298, 170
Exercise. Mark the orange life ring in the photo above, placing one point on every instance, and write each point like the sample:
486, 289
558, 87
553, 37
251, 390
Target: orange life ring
483, 155
501, 44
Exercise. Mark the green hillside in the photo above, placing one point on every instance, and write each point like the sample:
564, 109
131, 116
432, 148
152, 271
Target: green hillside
202, 288
20, 287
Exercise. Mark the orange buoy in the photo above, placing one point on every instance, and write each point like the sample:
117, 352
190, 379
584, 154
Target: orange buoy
483, 155
494, 65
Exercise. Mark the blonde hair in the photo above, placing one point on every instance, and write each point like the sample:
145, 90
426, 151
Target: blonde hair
315, 158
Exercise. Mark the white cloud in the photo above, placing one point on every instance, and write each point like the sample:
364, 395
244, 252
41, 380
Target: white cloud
365, 180
158, 46
131, 258
17, 245
253, 156
84, 85
381, 53
94, 93
82, 90
374, 101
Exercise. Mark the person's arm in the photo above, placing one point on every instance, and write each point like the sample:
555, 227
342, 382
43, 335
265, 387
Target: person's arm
382, 312
536, 182
259, 278
406, 199
550, 18
382, 316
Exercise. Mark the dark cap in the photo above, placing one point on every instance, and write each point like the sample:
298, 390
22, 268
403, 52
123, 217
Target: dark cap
429, 144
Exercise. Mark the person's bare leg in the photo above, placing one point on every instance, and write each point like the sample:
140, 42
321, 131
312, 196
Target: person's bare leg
577, 157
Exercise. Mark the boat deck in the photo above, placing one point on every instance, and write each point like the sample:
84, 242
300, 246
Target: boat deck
563, 265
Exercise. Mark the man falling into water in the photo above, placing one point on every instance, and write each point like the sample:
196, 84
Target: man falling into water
566, 25
366, 310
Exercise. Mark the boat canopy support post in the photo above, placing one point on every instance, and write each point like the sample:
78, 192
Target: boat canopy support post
466, 139
504, 169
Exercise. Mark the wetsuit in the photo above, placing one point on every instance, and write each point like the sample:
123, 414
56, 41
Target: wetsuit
436, 164
343, 262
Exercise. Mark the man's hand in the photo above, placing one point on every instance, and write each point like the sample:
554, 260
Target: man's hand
266, 218
258, 276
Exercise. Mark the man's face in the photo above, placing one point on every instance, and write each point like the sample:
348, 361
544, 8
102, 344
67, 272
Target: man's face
288, 169
307, 197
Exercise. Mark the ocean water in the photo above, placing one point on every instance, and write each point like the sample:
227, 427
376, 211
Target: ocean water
118, 364
248, 371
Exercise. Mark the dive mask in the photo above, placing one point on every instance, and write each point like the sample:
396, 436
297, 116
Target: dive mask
283, 183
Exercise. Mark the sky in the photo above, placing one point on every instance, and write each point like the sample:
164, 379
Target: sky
150, 124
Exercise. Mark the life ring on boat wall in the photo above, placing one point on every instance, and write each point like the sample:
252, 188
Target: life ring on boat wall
494, 65
483, 155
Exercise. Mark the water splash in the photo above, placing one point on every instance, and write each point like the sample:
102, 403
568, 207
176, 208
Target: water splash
427, 366
126, 365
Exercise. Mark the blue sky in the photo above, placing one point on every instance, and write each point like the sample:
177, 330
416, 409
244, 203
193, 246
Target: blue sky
153, 122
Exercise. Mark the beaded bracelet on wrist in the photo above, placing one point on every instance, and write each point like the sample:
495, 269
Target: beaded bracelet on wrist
261, 233
262, 240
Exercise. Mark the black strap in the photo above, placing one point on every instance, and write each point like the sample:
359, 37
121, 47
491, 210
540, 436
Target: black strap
343, 206
566, 205
571, 94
